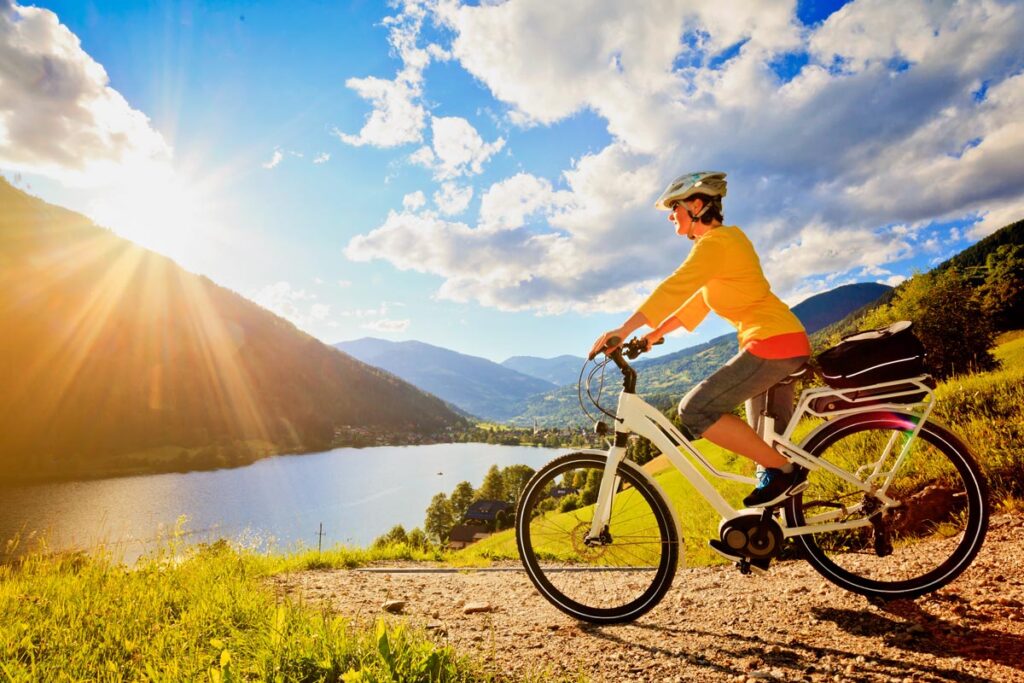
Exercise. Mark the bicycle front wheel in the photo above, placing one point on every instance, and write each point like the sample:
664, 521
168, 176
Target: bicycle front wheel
623, 576
917, 546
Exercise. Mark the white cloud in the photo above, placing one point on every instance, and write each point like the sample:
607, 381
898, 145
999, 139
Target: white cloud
458, 149
398, 115
386, 325
295, 305
414, 200
996, 217
822, 250
274, 160
451, 199
58, 114
507, 204
844, 142
344, 283
322, 158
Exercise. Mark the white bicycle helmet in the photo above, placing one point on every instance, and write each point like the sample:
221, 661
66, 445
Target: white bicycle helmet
710, 183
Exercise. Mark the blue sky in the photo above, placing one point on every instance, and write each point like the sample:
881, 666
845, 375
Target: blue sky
482, 177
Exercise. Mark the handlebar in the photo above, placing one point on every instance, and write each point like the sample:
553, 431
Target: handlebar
614, 349
631, 349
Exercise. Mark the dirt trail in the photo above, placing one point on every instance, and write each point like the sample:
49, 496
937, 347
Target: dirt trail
716, 625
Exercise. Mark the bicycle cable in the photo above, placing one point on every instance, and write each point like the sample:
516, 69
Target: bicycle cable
596, 401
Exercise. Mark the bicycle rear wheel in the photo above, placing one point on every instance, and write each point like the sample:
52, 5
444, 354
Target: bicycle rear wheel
616, 581
906, 551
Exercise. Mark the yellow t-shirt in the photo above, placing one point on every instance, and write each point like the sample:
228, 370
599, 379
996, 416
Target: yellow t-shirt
722, 274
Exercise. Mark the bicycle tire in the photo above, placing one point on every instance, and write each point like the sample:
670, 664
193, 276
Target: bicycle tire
612, 583
931, 538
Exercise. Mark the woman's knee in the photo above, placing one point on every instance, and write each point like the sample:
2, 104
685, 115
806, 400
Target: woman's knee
695, 419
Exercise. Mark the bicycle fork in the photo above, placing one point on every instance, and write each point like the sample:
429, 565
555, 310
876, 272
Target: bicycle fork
599, 533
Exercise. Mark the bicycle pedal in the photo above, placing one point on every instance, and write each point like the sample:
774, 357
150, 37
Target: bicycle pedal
747, 567
760, 566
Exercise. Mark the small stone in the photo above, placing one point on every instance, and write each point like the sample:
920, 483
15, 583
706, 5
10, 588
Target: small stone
394, 606
1009, 602
477, 608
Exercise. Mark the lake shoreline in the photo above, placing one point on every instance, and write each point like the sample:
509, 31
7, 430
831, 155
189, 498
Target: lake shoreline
141, 470
351, 495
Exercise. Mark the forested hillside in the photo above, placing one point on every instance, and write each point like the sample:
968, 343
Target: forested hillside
114, 359
957, 308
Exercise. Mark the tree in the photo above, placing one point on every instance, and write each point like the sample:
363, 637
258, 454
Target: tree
588, 496
514, 478
418, 539
394, 536
948, 319
493, 487
439, 521
1002, 294
462, 496
641, 450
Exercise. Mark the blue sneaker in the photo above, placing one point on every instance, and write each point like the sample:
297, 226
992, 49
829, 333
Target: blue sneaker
774, 486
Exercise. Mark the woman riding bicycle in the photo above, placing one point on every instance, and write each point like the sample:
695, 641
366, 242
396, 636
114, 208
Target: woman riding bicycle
723, 274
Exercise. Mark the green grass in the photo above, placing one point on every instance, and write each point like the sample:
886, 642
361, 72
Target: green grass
205, 617
986, 410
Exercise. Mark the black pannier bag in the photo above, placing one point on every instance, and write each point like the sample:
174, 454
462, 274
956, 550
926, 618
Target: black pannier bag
872, 357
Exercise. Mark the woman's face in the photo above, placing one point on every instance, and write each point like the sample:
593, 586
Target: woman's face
685, 226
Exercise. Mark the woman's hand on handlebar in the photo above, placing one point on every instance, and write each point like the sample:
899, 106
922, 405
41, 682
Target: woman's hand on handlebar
603, 341
650, 340
623, 332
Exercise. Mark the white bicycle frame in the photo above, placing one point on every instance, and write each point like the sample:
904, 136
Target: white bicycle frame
636, 416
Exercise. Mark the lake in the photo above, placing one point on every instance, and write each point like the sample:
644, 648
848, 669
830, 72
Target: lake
279, 502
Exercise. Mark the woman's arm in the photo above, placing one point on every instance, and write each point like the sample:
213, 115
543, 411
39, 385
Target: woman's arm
671, 324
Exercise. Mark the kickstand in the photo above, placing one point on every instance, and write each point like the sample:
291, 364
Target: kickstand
744, 566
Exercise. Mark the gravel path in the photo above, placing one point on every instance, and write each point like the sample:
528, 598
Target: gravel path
715, 624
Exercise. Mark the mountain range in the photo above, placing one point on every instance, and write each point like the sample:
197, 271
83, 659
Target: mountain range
558, 370
113, 359
476, 385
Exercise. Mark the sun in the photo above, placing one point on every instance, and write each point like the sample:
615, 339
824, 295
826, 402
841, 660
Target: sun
158, 208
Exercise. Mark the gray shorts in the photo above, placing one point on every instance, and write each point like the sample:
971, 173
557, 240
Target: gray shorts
745, 377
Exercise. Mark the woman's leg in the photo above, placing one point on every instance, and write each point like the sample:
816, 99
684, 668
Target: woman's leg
706, 411
732, 433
